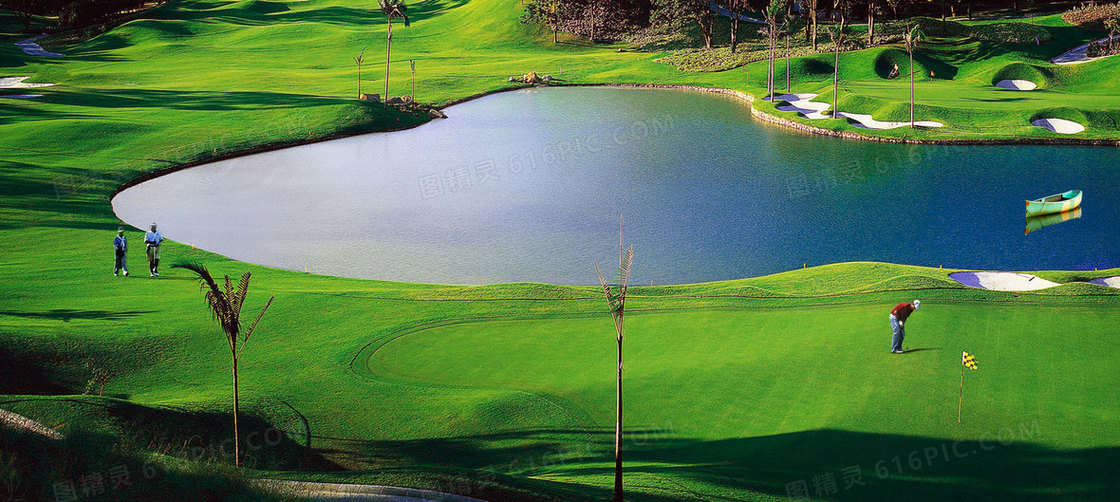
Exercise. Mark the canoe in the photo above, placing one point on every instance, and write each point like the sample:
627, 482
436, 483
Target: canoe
1054, 204
1037, 222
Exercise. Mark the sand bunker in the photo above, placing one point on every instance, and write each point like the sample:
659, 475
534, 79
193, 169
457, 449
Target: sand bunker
1112, 282
30, 47
1060, 126
1080, 54
1017, 85
18, 83
803, 104
20, 96
1002, 281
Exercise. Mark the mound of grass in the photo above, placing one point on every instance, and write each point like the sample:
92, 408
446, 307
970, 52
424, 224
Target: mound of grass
924, 64
1009, 32
1062, 112
1023, 71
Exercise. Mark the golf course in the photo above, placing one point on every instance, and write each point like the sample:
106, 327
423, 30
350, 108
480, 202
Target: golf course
741, 383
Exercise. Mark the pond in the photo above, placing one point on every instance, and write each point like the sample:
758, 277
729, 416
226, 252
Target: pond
529, 186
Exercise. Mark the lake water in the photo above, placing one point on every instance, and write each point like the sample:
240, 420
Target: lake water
529, 185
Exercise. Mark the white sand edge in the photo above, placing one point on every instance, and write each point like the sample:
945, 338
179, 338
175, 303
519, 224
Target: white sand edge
1060, 126
1007, 281
18, 83
1079, 54
21, 422
803, 104
29, 46
1017, 85
1112, 282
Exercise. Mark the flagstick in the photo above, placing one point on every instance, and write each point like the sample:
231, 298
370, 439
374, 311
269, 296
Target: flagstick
960, 399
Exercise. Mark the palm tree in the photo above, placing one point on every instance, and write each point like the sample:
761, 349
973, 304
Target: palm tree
773, 17
616, 303
359, 59
225, 306
911, 39
837, 40
391, 9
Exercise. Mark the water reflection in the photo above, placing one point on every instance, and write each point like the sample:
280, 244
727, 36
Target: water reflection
1037, 222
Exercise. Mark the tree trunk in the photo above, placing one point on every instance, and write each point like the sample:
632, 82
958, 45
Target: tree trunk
618, 428
236, 439
388, 50
813, 14
911, 88
734, 29
787, 63
870, 24
359, 80
836, 80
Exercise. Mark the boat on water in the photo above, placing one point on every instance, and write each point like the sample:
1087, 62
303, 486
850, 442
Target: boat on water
1037, 222
1053, 204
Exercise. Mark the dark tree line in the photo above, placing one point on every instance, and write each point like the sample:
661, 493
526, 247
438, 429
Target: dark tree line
601, 20
74, 13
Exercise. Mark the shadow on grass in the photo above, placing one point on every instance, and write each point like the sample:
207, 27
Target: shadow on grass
66, 315
262, 12
1007, 465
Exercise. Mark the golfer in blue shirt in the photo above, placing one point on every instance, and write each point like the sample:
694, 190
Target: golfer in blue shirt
120, 247
153, 239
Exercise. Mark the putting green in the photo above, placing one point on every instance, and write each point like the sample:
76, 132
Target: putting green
774, 382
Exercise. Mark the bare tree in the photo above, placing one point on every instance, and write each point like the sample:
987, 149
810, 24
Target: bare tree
359, 59
837, 37
871, 22
773, 32
391, 9
616, 303
910, 40
225, 306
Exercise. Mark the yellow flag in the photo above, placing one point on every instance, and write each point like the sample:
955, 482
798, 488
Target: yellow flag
968, 360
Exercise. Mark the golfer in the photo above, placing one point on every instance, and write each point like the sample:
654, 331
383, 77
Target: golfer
898, 317
120, 246
153, 239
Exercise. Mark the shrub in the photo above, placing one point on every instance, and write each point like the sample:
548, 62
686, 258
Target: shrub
1091, 14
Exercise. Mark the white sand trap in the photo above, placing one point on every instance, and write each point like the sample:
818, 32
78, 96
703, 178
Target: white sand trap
1079, 54
803, 104
18, 83
1112, 282
870, 123
20, 96
30, 47
1017, 85
1060, 126
1002, 281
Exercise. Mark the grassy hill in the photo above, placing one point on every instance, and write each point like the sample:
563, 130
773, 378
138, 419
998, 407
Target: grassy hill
735, 389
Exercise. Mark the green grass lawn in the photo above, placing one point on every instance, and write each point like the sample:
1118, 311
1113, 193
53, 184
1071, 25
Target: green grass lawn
734, 389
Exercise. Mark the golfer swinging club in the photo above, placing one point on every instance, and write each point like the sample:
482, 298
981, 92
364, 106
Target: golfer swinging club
898, 317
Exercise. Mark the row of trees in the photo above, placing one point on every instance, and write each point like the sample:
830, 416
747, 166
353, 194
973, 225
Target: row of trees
74, 13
